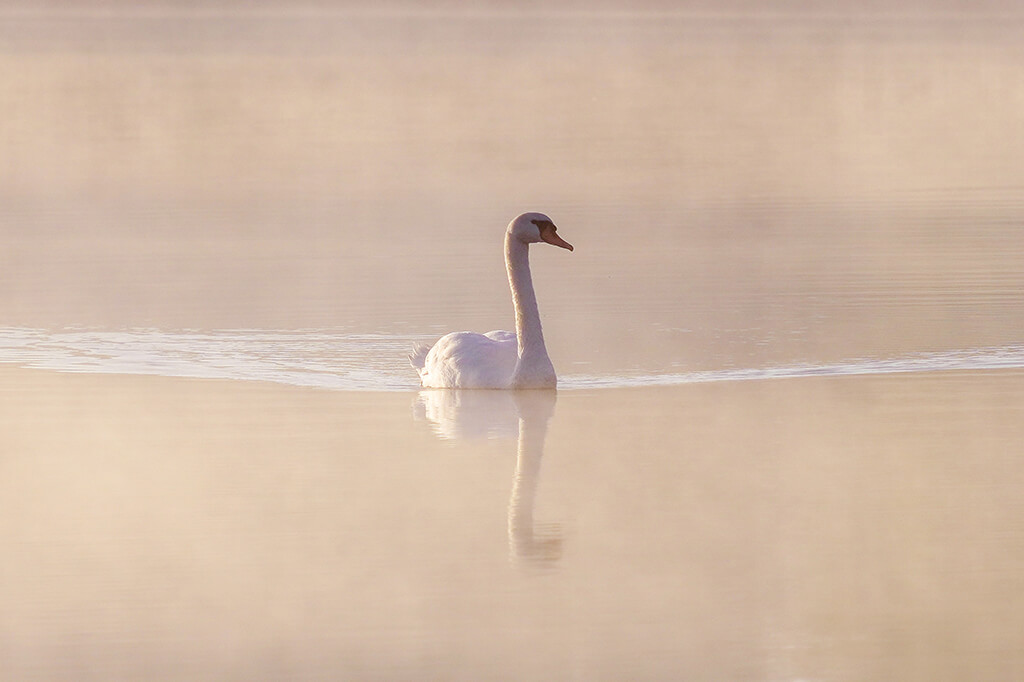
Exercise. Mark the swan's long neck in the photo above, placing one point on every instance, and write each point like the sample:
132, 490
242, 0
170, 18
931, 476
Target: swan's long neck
524, 300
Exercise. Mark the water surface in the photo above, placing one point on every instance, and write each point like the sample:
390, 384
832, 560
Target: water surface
787, 439
812, 528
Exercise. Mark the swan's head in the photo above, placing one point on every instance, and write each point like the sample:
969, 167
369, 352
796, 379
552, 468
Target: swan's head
531, 228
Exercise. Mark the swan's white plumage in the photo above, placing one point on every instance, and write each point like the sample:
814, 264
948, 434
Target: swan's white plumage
471, 360
499, 359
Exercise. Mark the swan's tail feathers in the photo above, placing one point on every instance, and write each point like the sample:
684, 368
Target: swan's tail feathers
418, 356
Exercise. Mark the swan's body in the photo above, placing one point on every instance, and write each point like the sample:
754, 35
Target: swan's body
499, 359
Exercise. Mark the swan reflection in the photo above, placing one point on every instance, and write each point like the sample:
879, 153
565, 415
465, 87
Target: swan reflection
466, 414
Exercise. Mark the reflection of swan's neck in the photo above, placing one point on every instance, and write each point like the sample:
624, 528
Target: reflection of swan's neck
523, 540
524, 486
528, 331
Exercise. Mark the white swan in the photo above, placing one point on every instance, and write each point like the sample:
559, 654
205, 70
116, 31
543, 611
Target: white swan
499, 359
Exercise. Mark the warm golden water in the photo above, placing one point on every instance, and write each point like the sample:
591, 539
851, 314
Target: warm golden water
821, 528
790, 339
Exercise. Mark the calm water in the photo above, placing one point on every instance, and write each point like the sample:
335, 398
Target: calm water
790, 343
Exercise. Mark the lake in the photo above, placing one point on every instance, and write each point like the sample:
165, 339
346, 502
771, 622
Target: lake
786, 440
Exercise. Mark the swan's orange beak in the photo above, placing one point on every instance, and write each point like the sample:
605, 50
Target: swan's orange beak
549, 235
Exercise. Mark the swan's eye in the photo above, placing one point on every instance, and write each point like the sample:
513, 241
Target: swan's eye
542, 224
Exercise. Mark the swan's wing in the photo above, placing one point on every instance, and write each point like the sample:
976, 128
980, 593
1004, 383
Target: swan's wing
501, 335
470, 360
418, 356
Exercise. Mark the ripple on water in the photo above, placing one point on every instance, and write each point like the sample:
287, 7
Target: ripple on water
377, 362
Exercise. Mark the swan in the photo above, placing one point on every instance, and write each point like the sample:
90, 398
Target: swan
499, 359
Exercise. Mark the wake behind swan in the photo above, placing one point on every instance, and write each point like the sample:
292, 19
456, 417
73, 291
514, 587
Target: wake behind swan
337, 360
